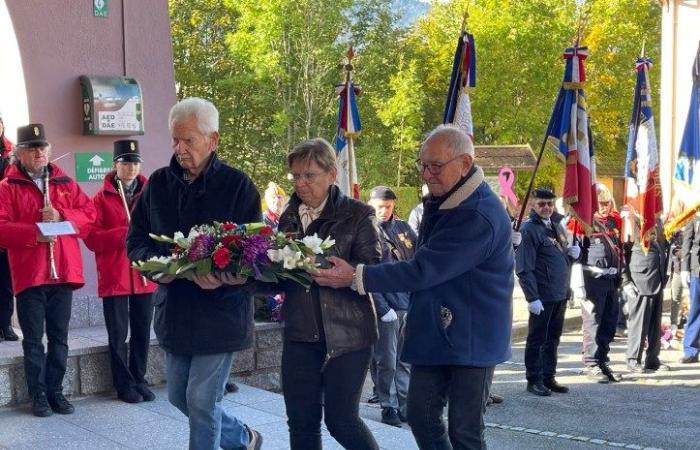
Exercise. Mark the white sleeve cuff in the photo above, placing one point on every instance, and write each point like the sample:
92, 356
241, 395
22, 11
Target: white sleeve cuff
359, 272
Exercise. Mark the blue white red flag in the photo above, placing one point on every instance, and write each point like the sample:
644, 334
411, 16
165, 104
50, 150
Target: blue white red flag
458, 109
686, 178
348, 128
643, 186
569, 132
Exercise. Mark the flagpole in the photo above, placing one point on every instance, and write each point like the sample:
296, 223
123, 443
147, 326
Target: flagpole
351, 146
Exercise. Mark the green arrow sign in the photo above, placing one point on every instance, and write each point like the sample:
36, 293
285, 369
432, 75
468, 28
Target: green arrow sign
92, 166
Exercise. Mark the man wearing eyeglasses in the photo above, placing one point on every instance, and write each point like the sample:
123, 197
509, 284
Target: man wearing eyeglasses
543, 265
461, 282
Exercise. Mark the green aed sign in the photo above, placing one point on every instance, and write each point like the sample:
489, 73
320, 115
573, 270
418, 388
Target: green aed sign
92, 166
100, 8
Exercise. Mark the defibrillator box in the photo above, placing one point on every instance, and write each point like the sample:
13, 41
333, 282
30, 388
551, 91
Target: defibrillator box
111, 106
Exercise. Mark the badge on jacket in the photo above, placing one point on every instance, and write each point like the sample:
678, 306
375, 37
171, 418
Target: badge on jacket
405, 240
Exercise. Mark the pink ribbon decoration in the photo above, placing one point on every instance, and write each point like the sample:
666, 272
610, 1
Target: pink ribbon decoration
506, 178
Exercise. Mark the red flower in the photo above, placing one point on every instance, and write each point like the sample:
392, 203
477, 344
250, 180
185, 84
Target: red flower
221, 257
266, 230
228, 226
234, 239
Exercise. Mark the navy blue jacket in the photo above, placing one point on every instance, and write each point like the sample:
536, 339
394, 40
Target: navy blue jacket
189, 320
460, 279
541, 262
398, 244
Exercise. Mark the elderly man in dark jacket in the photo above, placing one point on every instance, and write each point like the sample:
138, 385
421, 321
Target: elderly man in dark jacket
643, 280
461, 284
199, 323
690, 276
391, 375
543, 265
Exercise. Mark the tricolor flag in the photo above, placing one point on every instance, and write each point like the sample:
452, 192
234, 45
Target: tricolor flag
686, 178
348, 128
458, 108
569, 132
643, 186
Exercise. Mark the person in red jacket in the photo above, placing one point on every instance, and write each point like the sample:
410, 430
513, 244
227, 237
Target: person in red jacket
126, 295
7, 300
45, 269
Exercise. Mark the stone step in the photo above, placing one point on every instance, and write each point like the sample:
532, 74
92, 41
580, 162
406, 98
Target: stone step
89, 371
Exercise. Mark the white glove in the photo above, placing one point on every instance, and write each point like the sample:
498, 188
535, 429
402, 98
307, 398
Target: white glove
516, 238
390, 316
574, 251
579, 292
685, 278
630, 290
535, 307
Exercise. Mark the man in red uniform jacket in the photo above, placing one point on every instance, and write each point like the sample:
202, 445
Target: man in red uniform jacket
126, 295
45, 269
7, 300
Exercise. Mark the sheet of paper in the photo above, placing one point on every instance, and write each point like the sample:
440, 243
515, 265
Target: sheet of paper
56, 228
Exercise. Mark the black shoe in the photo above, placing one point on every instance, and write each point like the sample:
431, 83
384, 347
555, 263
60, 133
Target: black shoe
9, 334
688, 359
538, 389
656, 366
130, 395
231, 387
147, 394
553, 386
373, 399
495, 398
254, 439
596, 374
40, 405
634, 366
390, 416
59, 404
402, 418
612, 376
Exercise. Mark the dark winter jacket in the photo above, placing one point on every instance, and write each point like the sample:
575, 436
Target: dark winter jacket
398, 244
690, 251
345, 319
460, 279
190, 320
541, 261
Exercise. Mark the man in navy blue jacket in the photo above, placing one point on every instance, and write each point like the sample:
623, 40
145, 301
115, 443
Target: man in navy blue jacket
543, 265
391, 374
461, 284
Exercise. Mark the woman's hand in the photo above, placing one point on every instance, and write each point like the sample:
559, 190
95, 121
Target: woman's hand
231, 279
209, 281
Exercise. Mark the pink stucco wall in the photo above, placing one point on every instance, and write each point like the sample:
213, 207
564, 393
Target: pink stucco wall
60, 40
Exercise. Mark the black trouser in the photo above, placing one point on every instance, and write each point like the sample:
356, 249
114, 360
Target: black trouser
644, 324
544, 332
464, 390
121, 313
312, 390
36, 306
7, 300
599, 324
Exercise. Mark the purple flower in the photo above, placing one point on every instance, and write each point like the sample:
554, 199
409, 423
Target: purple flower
255, 252
202, 246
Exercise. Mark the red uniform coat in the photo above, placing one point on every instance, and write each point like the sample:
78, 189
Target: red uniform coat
107, 238
20, 204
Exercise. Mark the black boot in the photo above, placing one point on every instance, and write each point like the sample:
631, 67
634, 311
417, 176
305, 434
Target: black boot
9, 334
40, 405
553, 386
59, 404
538, 389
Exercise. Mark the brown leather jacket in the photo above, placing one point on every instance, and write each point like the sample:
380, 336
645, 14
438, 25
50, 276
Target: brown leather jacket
347, 319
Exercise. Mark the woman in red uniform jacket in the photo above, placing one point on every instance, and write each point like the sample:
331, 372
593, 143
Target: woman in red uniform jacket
126, 295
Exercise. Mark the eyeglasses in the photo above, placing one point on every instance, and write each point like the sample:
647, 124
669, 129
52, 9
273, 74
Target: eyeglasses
433, 167
545, 203
308, 177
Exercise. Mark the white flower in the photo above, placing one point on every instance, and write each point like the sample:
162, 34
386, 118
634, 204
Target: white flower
314, 243
327, 243
275, 255
193, 234
161, 259
289, 258
178, 235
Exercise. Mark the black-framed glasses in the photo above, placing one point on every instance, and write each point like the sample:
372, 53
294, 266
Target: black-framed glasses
544, 203
308, 177
434, 167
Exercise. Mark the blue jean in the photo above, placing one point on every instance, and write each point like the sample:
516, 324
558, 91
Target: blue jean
196, 387
691, 340
464, 390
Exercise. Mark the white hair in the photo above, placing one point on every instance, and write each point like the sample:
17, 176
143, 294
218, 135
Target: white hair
203, 110
458, 141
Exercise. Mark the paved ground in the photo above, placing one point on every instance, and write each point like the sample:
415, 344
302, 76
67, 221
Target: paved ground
649, 411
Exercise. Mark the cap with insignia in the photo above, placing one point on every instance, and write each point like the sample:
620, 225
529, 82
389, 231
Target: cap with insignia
31, 135
381, 193
543, 193
127, 150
